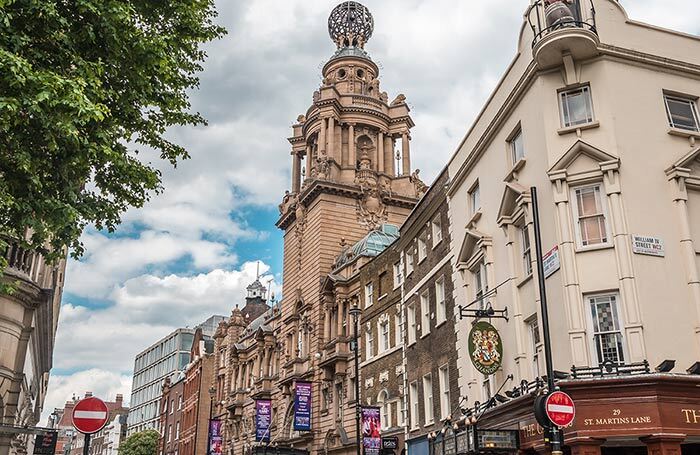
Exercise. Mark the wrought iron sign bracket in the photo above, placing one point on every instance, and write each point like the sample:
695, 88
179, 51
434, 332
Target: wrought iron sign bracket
487, 313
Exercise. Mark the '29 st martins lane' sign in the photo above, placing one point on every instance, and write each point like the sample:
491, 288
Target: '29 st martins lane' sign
485, 348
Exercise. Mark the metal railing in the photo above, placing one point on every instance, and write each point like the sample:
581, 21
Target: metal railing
610, 368
542, 25
19, 258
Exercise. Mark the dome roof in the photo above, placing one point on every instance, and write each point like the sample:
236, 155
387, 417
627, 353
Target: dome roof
350, 24
370, 245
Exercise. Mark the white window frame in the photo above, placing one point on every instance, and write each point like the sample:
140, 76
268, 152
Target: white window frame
604, 213
398, 276
412, 333
487, 388
369, 294
384, 343
480, 282
436, 226
564, 108
177, 430
475, 198
444, 379
440, 301
422, 249
595, 360
409, 260
428, 402
526, 250
425, 313
398, 323
516, 138
413, 396
369, 346
533, 329
692, 102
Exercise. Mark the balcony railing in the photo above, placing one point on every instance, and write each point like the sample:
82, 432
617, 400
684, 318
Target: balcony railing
547, 16
21, 259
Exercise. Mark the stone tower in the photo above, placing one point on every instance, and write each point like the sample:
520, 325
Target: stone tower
351, 174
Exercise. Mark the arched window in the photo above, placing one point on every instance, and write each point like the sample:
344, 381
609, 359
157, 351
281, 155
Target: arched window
384, 409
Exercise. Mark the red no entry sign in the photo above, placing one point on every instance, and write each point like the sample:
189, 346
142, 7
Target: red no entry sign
560, 409
90, 415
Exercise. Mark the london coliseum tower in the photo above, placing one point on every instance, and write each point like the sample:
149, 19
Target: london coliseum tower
351, 178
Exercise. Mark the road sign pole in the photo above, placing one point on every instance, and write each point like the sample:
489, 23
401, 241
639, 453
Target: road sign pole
86, 444
554, 430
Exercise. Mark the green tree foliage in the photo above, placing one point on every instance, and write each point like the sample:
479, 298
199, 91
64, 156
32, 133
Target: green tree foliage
85, 84
142, 443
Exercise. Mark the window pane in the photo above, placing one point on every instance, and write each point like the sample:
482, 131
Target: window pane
576, 107
682, 113
517, 147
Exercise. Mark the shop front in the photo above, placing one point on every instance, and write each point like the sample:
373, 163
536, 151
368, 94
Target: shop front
646, 414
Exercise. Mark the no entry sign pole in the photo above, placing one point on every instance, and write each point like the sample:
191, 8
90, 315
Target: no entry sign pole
554, 430
89, 416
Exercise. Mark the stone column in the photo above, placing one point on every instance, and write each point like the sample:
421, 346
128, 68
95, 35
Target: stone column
242, 375
266, 361
296, 172
389, 164
513, 257
623, 253
322, 138
309, 153
331, 138
406, 152
326, 324
380, 152
352, 154
340, 319
570, 280
234, 380
663, 443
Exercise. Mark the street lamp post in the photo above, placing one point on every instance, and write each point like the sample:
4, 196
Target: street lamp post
355, 312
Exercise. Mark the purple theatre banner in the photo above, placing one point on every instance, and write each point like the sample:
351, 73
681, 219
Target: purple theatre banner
371, 430
215, 437
302, 406
263, 419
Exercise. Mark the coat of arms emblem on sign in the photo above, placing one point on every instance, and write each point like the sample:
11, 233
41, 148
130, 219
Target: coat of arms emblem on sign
485, 348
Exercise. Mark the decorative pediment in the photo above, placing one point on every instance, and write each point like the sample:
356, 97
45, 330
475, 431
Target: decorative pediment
688, 165
472, 243
514, 196
581, 159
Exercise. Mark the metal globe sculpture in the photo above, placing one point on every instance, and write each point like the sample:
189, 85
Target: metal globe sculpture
350, 24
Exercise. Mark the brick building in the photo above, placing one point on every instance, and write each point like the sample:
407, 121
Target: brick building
197, 397
171, 411
430, 357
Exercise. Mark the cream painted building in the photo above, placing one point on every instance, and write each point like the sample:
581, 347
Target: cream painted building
28, 322
599, 112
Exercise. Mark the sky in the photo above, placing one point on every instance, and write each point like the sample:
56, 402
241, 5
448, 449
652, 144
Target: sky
191, 251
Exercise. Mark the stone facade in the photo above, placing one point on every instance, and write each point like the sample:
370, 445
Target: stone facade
28, 322
600, 115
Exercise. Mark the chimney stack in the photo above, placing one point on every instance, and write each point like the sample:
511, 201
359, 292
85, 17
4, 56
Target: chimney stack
120, 399
88, 394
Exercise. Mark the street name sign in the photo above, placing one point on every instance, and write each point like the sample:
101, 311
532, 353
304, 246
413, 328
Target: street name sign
90, 415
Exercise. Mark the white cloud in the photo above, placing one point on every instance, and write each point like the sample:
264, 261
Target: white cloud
103, 384
145, 309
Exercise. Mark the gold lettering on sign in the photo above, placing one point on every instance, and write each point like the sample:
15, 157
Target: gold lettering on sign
691, 415
531, 430
618, 419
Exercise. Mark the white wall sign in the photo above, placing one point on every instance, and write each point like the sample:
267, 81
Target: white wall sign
648, 245
551, 261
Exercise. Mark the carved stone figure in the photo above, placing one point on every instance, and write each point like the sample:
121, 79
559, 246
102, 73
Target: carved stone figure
400, 99
418, 184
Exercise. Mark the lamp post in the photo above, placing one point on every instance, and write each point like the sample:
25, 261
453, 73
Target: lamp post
355, 312
556, 436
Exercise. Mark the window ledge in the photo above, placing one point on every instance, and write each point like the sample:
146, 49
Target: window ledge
680, 132
524, 280
439, 323
584, 249
514, 170
435, 245
425, 335
475, 217
383, 296
578, 128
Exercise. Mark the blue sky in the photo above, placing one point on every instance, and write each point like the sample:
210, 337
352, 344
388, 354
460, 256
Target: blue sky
191, 251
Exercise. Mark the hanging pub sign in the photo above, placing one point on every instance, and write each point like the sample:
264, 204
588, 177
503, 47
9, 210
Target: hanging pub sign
302, 406
263, 418
371, 430
485, 348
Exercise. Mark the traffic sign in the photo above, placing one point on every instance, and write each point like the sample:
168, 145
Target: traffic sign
560, 409
90, 415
